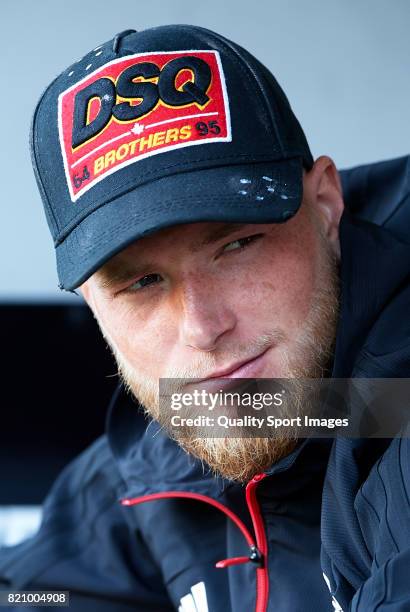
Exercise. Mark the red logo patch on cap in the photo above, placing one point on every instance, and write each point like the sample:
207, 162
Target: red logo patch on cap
137, 106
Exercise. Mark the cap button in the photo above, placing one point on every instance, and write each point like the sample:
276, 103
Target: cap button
118, 37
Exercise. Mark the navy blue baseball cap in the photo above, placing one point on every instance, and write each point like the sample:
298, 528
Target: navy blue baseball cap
170, 125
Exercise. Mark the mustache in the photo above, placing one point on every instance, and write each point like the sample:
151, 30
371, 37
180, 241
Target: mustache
203, 365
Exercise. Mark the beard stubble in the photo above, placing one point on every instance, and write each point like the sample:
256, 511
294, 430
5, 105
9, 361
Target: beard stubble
240, 458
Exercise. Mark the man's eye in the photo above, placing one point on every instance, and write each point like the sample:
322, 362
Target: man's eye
143, 282
241, 243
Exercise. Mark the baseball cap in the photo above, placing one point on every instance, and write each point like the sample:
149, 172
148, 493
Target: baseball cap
170, 125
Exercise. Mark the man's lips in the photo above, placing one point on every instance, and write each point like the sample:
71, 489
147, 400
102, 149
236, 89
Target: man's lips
241, 369
226, 378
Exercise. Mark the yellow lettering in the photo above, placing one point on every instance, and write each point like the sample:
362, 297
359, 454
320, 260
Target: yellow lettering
109, 158
172, 135
146, 142
185, 132
98, 165
133, 144
159, 139
122, 151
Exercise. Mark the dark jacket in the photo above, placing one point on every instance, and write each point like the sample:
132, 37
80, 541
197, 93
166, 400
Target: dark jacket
334, 513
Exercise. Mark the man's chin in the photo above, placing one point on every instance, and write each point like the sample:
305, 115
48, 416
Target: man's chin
238, 459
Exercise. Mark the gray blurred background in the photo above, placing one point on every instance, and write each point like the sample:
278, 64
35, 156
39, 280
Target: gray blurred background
343, 64
345, 67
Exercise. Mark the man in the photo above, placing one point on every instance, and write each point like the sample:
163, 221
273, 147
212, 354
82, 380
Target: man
185, 204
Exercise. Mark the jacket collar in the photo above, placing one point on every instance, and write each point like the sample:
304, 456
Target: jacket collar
374, 267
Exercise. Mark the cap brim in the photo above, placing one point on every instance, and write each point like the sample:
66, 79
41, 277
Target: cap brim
252, 193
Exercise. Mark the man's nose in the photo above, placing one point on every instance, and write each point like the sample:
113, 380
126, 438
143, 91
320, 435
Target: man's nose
206, 315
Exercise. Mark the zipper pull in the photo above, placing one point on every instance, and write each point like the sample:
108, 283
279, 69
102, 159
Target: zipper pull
257, 478
254, 557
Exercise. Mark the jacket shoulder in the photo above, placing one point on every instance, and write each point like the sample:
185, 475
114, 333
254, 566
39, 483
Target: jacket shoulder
382, 503
380, 193
383, 510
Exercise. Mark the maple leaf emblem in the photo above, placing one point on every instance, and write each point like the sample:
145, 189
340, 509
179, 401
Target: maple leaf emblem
138, 128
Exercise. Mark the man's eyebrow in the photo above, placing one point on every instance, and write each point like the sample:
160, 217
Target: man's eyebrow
116, 273
215, 234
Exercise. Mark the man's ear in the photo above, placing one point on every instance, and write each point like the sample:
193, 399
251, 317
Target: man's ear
323, 191
87, 293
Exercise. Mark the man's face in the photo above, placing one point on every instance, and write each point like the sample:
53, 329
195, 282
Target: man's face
199, 299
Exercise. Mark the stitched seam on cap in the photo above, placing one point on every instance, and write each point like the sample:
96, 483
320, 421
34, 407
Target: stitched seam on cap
229, 201
125, 224
36, 158
122, 189
244, 69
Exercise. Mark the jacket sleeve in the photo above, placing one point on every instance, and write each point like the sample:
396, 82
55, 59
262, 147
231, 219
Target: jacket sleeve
387, 589
388, 586
87, 544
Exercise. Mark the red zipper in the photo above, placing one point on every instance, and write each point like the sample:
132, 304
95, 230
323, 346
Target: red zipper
262, 575
200, 497
258, 549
